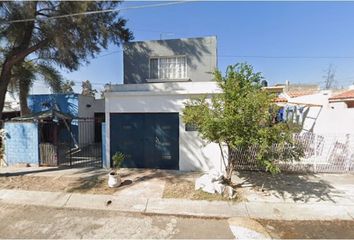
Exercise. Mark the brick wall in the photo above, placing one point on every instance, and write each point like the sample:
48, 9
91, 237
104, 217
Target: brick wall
21, 143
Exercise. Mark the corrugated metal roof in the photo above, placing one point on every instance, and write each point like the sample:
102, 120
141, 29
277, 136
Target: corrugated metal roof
49, 114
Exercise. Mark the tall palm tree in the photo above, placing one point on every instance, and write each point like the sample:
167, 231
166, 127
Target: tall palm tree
23, 76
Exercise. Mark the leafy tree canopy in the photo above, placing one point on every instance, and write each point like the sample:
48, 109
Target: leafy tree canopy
242, 116
65, 42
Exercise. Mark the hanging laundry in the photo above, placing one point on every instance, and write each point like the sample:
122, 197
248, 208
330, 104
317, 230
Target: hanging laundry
301, 113
295, 113
280, 115
288, 113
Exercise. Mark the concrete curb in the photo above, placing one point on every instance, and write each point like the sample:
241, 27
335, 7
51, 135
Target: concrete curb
181, 207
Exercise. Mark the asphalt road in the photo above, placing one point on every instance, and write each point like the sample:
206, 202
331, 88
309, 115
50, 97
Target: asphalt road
18, 221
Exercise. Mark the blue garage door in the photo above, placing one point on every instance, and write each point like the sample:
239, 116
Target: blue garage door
149, 140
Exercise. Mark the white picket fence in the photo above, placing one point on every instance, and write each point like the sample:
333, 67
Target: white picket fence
331, 154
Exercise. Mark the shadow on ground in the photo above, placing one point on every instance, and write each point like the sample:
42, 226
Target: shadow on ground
337, 229
130, 177
13, 172
298, 187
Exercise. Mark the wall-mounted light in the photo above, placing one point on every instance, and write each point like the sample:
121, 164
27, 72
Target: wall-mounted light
88, 105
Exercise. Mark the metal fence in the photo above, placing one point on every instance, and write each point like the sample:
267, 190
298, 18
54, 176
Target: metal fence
75, 144
322, 153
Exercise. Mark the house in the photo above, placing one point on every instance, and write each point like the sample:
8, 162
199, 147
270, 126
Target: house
62, 129
11, 106
78, 107
325, 112
344, 99
144, 114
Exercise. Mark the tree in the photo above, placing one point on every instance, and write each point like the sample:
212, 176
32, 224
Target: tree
67, 86
87, 89
24, 75
330, 77
47, 37
242, 117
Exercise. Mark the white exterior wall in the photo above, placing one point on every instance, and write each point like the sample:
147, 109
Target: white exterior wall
333, 118
335, 121
87, 128
194, 153
84, 111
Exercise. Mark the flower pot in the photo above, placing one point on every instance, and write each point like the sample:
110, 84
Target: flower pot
114, 180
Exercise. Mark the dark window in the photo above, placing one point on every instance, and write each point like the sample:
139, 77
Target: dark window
99, 119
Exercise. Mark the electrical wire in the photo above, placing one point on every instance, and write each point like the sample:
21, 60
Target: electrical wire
286, 57
101, 11
253, 56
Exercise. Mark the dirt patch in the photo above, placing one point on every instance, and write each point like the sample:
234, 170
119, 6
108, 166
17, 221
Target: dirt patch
96, 184
177, 184
338, 229
35, 183
92, 185
181, 188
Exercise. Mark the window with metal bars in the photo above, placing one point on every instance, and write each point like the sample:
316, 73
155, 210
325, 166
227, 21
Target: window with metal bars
168, 67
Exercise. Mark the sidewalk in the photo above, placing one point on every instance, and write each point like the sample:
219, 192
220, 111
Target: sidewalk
218, 209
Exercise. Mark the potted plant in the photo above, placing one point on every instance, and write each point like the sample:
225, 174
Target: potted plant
114, 179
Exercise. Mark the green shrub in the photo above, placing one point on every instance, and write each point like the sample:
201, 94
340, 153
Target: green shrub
118, 159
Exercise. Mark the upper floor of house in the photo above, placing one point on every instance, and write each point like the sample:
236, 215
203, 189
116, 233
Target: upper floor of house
174, 60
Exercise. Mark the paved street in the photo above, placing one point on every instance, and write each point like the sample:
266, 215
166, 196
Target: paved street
288, 206
25, 221
19, 221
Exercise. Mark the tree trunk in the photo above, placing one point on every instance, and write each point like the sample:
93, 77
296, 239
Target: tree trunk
230, 164
24, 90
15, 58
4, 82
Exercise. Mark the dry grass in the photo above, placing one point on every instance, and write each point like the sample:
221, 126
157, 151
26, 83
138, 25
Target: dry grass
181, 188
177, 186
92, 185
35, 183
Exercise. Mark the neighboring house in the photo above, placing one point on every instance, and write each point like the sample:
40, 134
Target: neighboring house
61, 128
343, 100
284, 92
326, 112
144, 115
11, 107
78, 107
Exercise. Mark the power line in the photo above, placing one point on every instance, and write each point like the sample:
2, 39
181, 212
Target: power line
101, 11
286, 57
254, 56
107, 54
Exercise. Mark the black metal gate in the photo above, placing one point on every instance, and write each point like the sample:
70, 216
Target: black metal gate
70, 143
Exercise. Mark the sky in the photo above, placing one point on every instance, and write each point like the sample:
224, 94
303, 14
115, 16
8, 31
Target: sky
294, 41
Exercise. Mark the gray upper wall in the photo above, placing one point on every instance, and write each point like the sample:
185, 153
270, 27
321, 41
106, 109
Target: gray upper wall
200, 54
